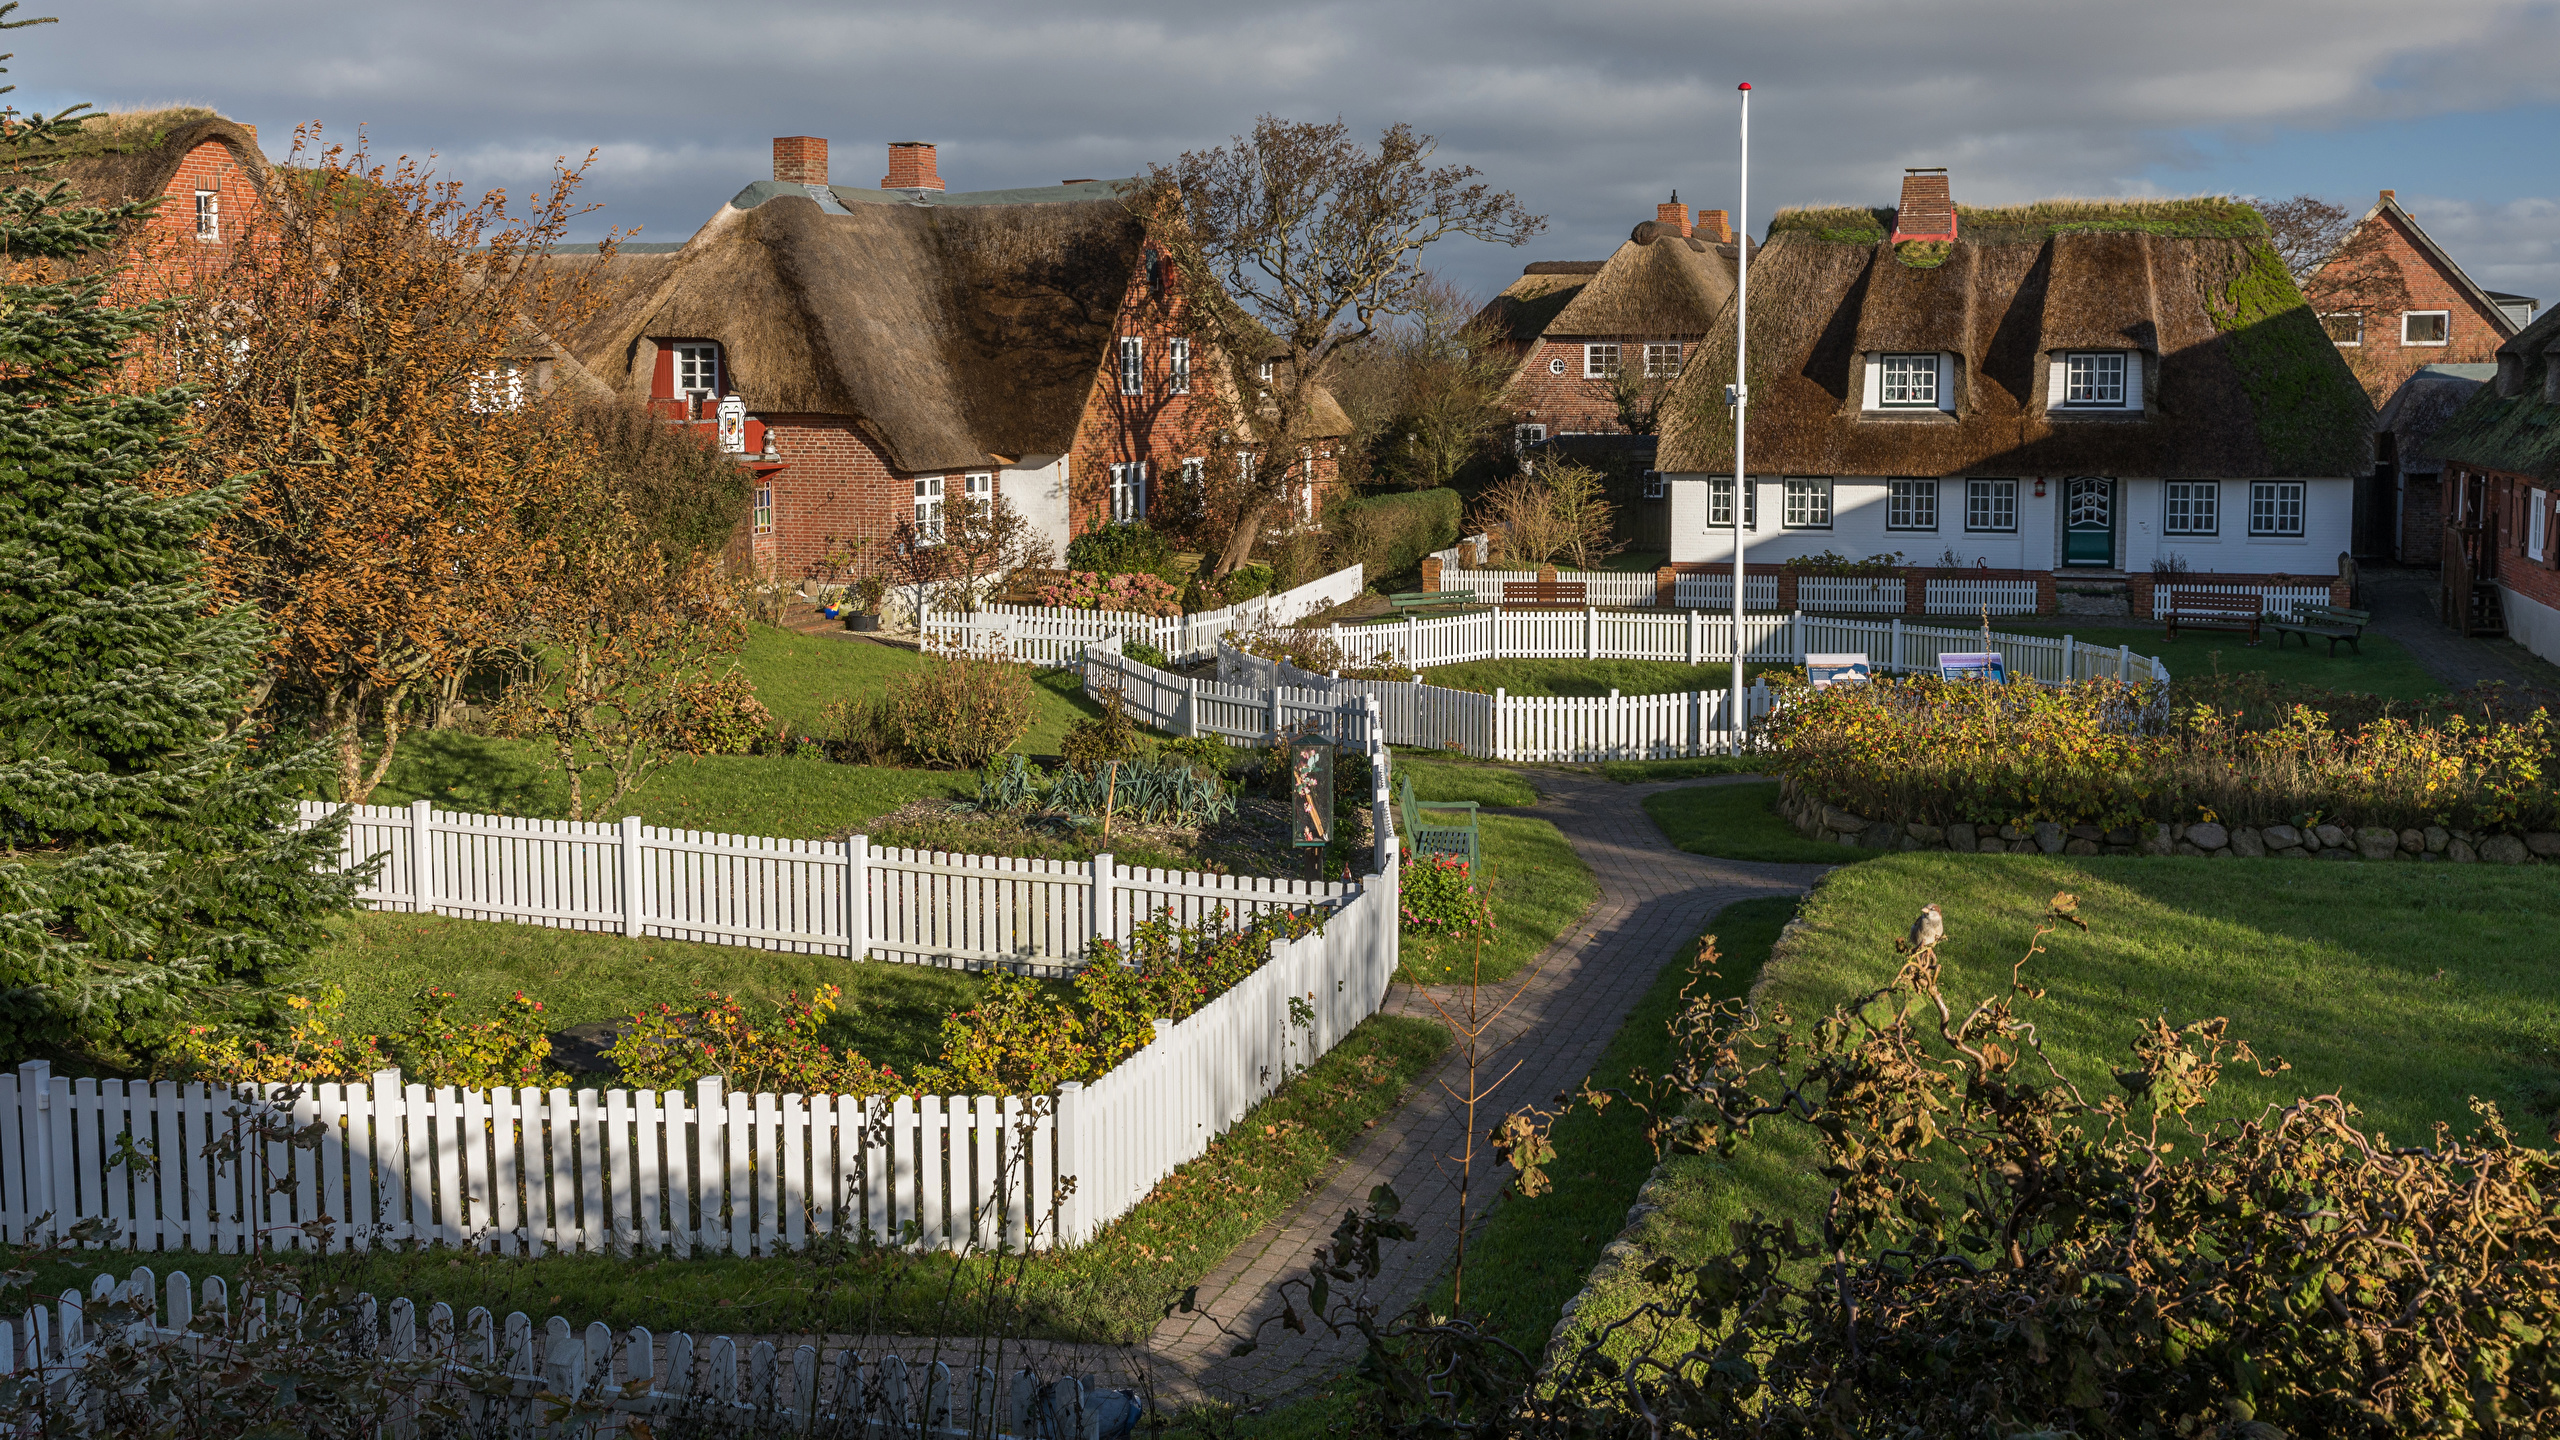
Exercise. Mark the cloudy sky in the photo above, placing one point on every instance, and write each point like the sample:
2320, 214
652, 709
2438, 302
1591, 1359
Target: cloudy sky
1591, 112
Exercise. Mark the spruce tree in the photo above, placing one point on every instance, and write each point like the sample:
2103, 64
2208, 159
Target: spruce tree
148, 859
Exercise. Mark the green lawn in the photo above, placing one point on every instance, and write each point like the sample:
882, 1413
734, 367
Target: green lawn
1533, 1253
2407, 989
1110, 1291
1586, 677
1436, 777
1638, 772
1539, 887
1741, 822
2383, 669
890, 1013
798, 676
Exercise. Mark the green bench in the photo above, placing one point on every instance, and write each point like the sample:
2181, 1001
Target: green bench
2332, 623
1458, 840
1426, 599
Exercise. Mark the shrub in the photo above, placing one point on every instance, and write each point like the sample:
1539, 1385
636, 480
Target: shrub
720, 715
957, 713
1098, 740
511, 1048
1559, 513
310, 1050
1134, 594
667, 1049
1146, 654
1315, 652
1206, 754
860, 732
1245, 582
1390, 534
1130, 547
1439, 900
1832, 562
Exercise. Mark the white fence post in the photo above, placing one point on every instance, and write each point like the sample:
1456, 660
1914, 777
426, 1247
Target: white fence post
1590, 633
2066, 659
1067, 1210
1275, 708
422, 858
1893, 652
1190, 706
857, 898
1496, 746
32, 1137
1693, 635
1103, 926
631, 875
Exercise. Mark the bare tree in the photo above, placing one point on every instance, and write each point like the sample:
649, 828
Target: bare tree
1295, 243
1452, 377
2306, 231
1561, 510
983, 542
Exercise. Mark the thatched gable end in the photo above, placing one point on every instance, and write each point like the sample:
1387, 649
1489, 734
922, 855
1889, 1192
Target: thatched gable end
2512, 423
953, 333
1660, 283
121, 158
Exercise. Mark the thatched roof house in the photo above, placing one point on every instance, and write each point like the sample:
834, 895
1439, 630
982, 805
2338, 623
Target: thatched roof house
2140, 364
897, 348
206, 171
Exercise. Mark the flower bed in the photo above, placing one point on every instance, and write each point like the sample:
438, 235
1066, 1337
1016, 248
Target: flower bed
1925, 763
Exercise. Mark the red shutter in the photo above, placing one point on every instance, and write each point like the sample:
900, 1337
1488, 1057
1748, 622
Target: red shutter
662, 382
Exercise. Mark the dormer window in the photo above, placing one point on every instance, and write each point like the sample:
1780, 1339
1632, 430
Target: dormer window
1908, 382
2094, 378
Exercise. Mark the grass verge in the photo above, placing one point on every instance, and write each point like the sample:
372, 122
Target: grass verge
1741, 822
891, 1013
2444, 970
1638, 772
2383, 669
1539, 887
1110, 1291
1482, 781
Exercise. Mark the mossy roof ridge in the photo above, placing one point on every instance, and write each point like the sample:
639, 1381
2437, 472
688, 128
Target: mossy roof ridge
125, 132
2195, 217
2517, 434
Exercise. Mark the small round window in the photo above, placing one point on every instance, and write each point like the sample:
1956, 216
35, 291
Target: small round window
1555, 367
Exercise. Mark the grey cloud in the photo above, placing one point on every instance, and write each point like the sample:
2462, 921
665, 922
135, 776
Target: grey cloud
1591, 112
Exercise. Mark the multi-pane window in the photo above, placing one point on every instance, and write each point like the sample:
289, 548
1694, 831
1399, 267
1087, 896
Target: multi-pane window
1911, 505
981, 486
1661, 362
1910, 380
1129, 491
2195, 508
1991, 506
500, 388
1266, 372
1194, 472
1524, 436
2424, 327
2093, 377
928, 509
1133, 365
1177, 367
2275, 507
2344, 326
1245, 463
764, 509
1808, 504
209, 216
1720, 504
1600, 361
1653, 485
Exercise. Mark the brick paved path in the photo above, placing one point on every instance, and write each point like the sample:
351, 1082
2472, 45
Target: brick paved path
2404, 608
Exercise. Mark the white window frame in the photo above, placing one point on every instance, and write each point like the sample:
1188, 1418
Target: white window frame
2538, 526
2355, 315
695, 357
1246, 461
929, 509
1905, 501
1915, 369
1654, 487
1808, 502
979, 485
1266, 372
497, 390
1177, 361
2273, 504
1524, 436
1986, 503
764, 508
1662, 360
1595, 366
2087, 389
209, 216
1128, 492
2444, 315
2191, 507
1133, 365
1307, 482
1720, 503
1195, 473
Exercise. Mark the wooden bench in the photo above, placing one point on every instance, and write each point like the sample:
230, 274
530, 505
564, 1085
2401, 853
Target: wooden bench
2332, 623
2211, 610
1458, 840
1535, 593
1426, 599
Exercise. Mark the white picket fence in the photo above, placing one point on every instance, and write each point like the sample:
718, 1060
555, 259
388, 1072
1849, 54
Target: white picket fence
818, 897
505, 1376
2277, 599
1057, 634
1976, 597
1851, 594
527, 1171
1715, 592
1634, 589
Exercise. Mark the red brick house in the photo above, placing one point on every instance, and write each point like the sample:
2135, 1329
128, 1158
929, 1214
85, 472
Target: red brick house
881, 353
2500, 459
207, 172
1573, 324
2394, 301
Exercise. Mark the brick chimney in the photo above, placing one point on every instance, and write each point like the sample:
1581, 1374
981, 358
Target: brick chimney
1674, 214
1715, 227
800, 159
911, 167
2390, 197
1928, 211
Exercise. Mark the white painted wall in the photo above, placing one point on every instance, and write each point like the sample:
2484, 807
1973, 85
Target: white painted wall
2328, 522
1858, 527
1038, 488
2532, 624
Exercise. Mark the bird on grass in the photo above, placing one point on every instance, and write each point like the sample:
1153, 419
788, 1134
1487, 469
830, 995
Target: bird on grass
1929, 929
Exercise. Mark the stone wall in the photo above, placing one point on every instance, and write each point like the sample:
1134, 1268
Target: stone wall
1818, 821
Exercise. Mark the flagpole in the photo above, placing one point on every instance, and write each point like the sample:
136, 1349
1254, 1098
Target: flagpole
1741, 404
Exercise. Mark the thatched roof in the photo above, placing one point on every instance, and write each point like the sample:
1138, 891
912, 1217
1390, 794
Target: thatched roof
1521, 313
953, 327
2246, 382
1659, 282
133, 155
2507, 424
2423, 403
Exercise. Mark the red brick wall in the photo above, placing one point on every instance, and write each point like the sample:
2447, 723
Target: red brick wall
166, 255
2381, 252
835, 485
1568, 404
2510, 499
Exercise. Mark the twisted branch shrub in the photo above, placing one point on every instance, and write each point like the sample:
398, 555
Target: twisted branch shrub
958, 712
2093, 753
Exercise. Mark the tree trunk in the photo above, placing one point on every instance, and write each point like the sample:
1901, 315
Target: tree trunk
1239, 546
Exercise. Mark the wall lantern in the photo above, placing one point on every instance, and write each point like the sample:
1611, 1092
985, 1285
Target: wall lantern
733, 426
2039, 487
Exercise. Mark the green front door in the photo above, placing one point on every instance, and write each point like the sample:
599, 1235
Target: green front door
2088, 521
